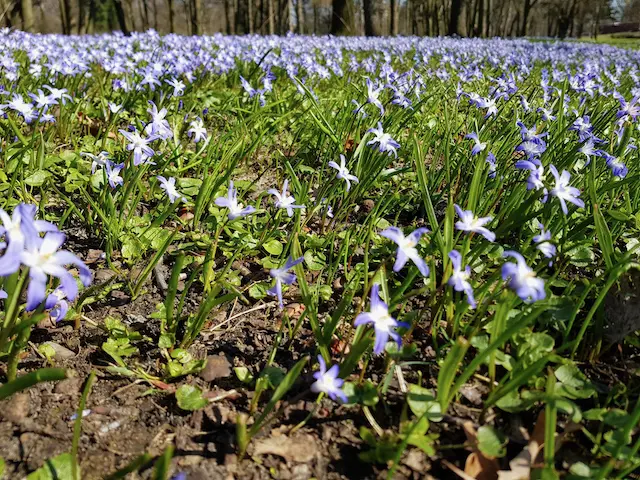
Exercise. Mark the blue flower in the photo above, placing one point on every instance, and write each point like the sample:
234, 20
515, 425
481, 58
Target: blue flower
159, 126
231, 202
583, 126
470, 223
563, 191
385, 142
543, 244
522, 279
197, 130
43, 258
284, 200
491, 160
113, 173
169, 186
618, 168
536, 176
373, 94
407, 248
327, 381
281, 275
383, 323
140, 146
57, 303
478, 146
343, 172
459, 279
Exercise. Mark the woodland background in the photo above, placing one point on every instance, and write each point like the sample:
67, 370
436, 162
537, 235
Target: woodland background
481, 18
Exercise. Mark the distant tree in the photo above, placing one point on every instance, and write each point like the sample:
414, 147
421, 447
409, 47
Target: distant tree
196, 16
393, 17
631, 11
369, 26
454, 16
300, 15
120, 15
26, 9
342, 17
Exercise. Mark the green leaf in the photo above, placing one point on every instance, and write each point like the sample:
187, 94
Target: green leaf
422, 402
120, 347
273, 376
618, 215
57, 468
37, 178
570, 375
258, 291
47, 351
570, 408
243, 374
190, 398
2, 467
166, 340
325, 292
132, 248
273, 247
491, 442
573, 384
364, 394
581, 470
581, 256
283, 388
314, 262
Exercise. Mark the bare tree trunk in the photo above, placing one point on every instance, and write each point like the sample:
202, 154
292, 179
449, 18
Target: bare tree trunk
130, 15
141, 14
187, 16
26, 9
272, 15
250, 15
487, 19
172, 14
4, 9
229, 16
81, 16
528, 5
63, 16
300, 15
454, 18
369, 27
147, 22
91, 21
513, 28
342, 18
196, 16
315, 19
120, 15
393, 17
155, 14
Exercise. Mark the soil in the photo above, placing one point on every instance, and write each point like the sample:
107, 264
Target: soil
130, 416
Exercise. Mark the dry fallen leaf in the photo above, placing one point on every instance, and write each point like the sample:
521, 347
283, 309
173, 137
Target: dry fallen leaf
301, 448
478, 465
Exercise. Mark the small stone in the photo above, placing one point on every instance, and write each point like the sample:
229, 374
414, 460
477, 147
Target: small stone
368, 205
62, 353
301, 472
103, 275
70, 386
16, 408
301, 448
217, 367
93, 256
